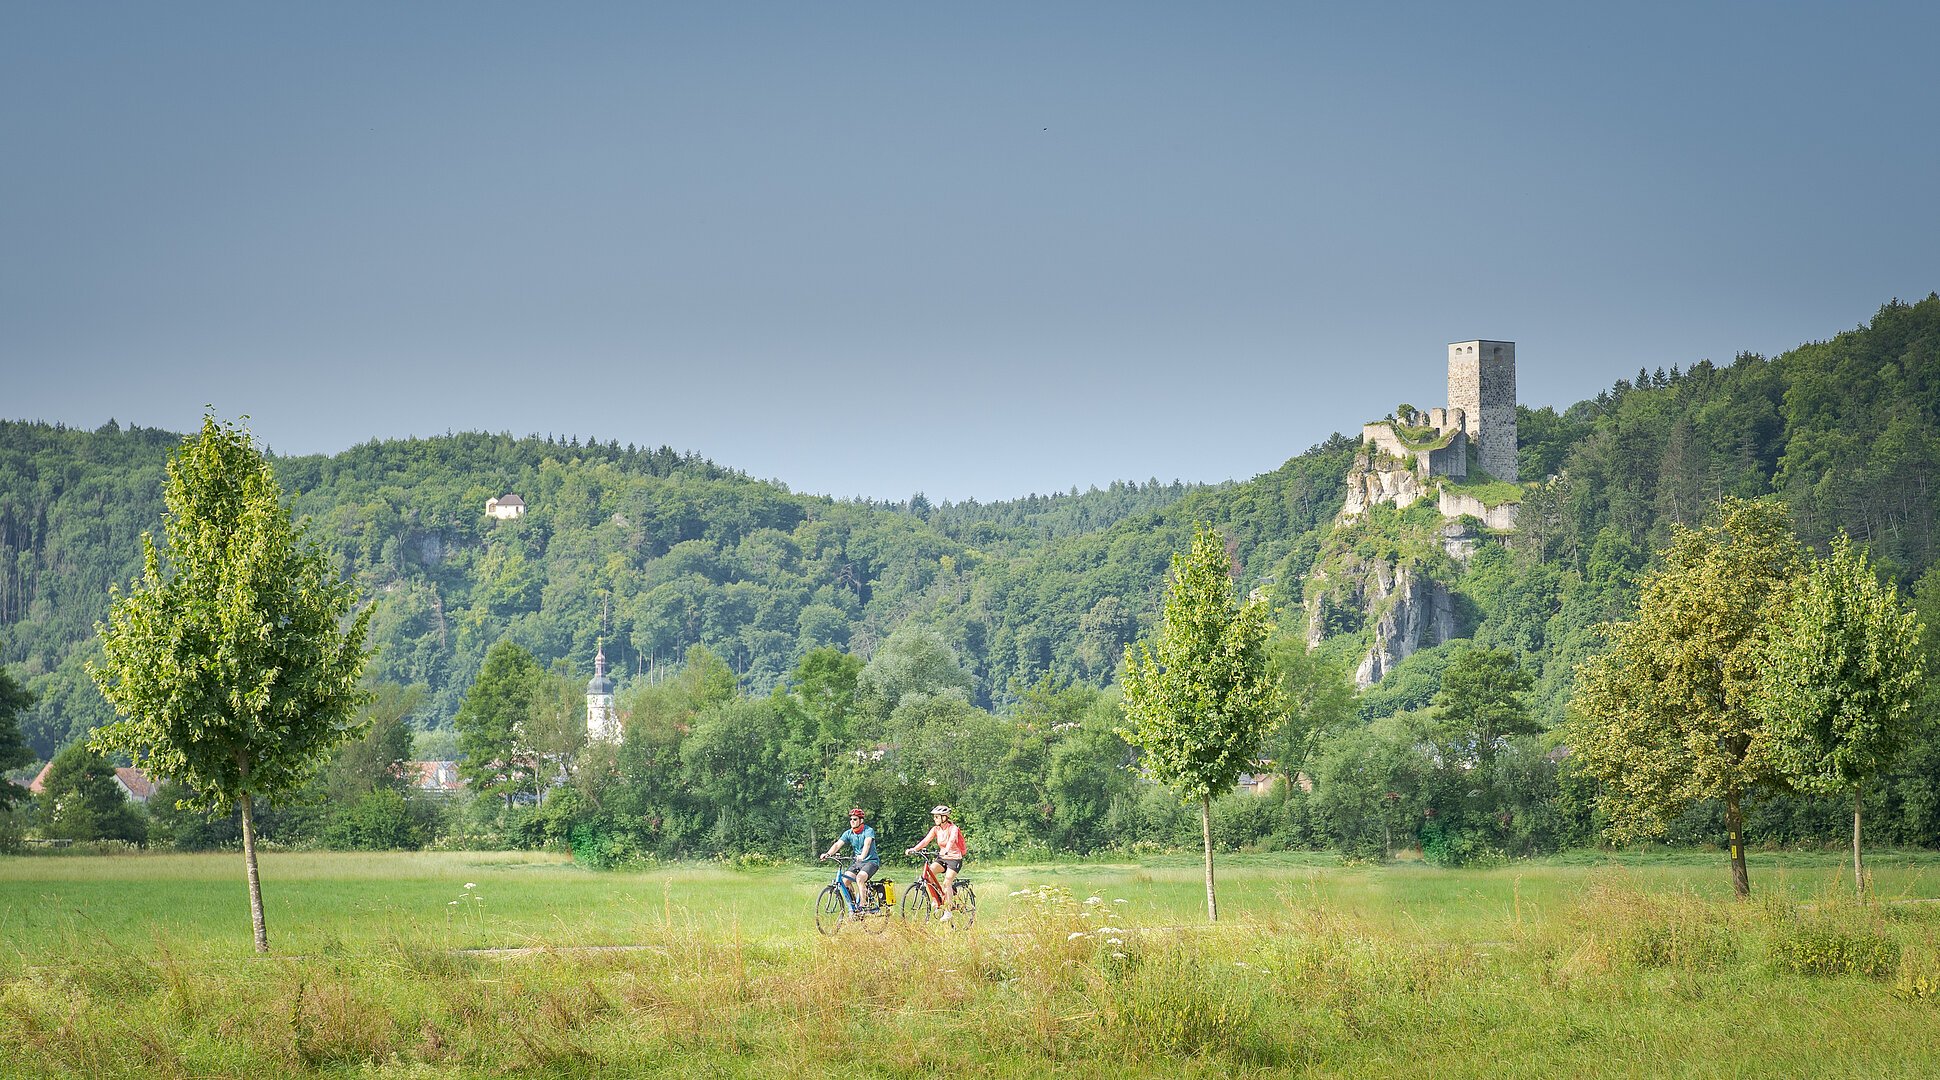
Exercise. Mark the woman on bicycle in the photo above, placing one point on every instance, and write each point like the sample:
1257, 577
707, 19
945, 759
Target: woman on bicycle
862, 842
949, 852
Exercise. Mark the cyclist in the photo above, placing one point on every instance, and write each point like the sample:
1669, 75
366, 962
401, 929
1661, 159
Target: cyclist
949, 853
862, 843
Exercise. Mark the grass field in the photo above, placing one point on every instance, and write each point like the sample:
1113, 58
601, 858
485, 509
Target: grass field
1583, 965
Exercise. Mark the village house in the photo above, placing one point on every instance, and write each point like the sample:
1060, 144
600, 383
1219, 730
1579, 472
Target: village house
134, 784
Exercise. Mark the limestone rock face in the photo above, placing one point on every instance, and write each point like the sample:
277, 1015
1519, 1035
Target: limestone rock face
1406, 611
1368, 486
1414, 613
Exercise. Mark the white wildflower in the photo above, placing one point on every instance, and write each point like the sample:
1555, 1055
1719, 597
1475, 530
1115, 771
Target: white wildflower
1114, 941
471, 885
1075, 935
1120, 900
1118, 956
1094, 900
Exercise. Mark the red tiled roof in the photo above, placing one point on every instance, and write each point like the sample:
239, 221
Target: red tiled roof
434, 775
137, 782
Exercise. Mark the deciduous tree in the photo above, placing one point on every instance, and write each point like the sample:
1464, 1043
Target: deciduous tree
80, 800
234, 659
1319, 697
499, 703
1669, 714
1481, 701
1842, 679
1200, 698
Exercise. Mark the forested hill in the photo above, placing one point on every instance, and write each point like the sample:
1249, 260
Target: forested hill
657, 551
652, 549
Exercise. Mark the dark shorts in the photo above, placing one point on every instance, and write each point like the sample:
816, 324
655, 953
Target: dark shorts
951, 864
870, 867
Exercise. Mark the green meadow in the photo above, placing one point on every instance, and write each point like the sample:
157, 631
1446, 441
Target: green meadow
476, 964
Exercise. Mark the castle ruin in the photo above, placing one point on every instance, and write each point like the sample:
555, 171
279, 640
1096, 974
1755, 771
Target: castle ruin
1411, 455
1408, 451
1482, 388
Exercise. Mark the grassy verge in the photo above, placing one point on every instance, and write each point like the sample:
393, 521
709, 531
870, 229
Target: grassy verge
1634, 966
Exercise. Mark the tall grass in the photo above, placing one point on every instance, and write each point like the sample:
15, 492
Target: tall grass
1079, 970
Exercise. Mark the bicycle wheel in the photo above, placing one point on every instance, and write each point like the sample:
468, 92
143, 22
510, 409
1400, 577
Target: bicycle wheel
964, 906
830, 910
916, 903
875, 920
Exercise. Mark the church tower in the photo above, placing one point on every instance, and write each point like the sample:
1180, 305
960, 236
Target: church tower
1482, 383
601, 724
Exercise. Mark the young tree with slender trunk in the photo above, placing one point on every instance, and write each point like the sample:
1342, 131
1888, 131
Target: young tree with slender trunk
234, 659
1843, 677
1670, 713
1201, 698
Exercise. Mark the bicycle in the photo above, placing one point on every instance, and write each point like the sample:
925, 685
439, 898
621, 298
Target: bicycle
924, 897
837, 905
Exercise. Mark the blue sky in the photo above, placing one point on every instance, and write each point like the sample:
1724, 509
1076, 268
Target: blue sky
975, 250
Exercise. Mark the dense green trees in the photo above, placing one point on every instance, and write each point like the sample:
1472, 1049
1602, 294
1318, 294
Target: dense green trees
1319, 697
14, 752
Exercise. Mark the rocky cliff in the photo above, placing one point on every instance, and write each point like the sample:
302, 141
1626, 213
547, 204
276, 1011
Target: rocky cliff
1404, 608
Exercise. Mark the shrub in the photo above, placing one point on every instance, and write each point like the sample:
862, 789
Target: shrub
1808, 949
600, 847
382, 820
1683, 945
1443, 844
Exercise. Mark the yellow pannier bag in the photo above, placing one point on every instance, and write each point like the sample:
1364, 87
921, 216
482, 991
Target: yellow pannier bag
888, 891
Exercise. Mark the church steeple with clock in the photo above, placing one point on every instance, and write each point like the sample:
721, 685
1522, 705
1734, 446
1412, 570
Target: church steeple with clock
602, 725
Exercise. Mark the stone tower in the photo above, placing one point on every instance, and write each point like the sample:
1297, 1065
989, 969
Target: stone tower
601, 724
1482, 383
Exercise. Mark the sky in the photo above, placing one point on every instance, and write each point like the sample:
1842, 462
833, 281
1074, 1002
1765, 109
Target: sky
976, 251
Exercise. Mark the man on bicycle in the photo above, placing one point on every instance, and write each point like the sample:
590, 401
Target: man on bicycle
949, 853
862, 842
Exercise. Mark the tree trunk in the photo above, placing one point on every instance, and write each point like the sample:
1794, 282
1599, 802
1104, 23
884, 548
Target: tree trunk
1205, 827
1858, 868
255, 884
1734, 824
